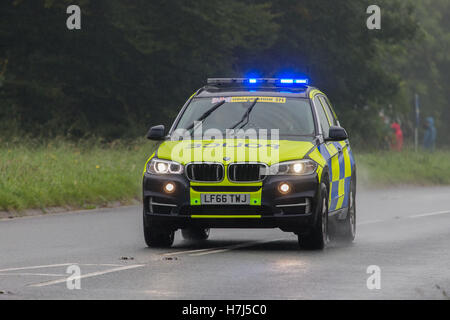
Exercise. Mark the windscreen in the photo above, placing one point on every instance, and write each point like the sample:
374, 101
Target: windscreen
291, 116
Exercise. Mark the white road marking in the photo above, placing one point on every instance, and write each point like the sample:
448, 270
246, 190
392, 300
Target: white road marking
420, 215
429, 214
199, 252
190, 251
242, 245
99, 264
87, 275
60, 265
369, 222
38, 267
33, 274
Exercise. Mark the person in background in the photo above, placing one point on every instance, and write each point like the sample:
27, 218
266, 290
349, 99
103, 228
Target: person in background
385, 131
429, 139
397, 142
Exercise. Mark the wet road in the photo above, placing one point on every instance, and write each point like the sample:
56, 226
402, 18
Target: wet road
403, 231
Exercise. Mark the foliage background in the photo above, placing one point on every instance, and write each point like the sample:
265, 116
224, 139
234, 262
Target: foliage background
134, 63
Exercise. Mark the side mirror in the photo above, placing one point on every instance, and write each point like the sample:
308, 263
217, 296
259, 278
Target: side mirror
156, 133
337, 134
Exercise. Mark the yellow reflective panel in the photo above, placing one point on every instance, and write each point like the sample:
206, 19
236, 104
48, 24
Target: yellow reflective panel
145, 167
319, 173
335, 168
348, 166
314, 92
341, 192
234, 150
225, 216
260, 99
331, 149
317, 157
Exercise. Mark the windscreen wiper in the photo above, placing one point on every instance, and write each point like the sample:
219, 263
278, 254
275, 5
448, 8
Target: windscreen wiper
246, 115
205, 114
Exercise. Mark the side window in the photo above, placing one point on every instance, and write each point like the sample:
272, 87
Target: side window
322, 117
329, 111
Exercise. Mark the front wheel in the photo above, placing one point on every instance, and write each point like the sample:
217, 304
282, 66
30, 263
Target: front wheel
318, 237
156, 236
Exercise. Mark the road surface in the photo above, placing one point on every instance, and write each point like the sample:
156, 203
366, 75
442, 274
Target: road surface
403, 231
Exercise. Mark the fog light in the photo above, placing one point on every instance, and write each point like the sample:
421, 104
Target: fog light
284, 187
169, 187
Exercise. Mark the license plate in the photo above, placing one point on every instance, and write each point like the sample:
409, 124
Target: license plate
225, 198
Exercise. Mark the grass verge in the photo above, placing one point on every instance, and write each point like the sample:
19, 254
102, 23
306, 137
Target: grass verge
63, 174
403, 168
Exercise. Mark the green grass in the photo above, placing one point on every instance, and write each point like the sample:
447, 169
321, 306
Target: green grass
404, 168
90, 174
62, 174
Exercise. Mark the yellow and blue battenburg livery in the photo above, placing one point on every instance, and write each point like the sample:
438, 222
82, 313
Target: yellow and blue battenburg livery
251, 153
340, 162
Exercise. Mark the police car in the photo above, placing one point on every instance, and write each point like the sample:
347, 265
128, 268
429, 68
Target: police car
251, 153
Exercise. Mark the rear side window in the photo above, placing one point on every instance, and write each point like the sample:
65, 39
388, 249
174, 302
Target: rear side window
323, 120
330, 112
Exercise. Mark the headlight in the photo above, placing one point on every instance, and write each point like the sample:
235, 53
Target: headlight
297, 167
159, 166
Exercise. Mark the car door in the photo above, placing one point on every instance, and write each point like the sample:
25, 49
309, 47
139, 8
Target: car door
342, 169
330, 152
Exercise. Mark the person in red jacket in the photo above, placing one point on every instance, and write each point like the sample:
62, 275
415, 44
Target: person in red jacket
397, 142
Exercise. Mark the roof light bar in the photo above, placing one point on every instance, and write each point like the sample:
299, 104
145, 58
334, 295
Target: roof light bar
258, 81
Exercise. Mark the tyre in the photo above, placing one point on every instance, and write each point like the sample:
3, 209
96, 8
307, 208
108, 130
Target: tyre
195, 233
318, 237
157, 236
346, 229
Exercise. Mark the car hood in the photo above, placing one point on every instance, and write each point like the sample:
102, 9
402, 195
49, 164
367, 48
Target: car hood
233, 150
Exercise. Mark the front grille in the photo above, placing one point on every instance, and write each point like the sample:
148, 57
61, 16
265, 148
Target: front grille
205, 172
246, 172
226, 188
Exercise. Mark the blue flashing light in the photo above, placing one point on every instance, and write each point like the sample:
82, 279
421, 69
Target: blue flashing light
301, 81
292, 81
260, 82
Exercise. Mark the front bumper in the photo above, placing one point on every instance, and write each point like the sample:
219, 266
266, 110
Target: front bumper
293, 212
